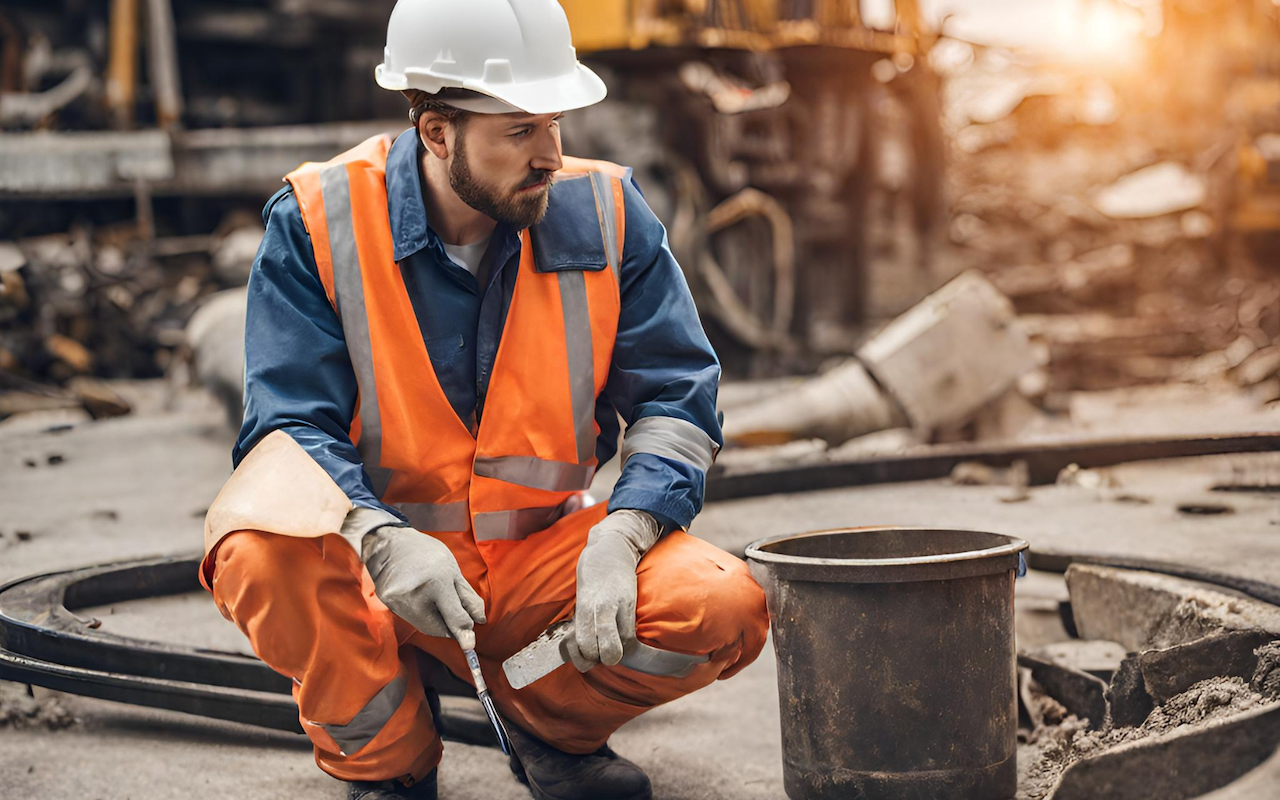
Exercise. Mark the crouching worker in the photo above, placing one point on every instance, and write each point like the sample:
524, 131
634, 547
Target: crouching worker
442, 333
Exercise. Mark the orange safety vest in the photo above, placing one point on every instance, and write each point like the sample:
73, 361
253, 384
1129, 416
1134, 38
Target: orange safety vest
534, 450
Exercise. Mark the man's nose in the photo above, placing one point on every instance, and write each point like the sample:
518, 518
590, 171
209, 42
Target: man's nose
547, 156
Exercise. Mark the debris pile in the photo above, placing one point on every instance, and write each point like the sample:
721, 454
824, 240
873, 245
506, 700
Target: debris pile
101, 303
137, 155
1050, 750
1161, 658
1118, 231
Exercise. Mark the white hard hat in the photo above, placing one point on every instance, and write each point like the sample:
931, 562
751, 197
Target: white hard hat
518, 53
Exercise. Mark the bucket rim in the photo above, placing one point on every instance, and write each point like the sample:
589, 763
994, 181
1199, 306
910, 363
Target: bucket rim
754, 551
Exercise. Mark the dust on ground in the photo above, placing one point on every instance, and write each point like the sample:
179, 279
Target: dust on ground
21, 709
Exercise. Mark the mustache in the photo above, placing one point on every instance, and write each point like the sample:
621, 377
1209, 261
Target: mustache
537, 176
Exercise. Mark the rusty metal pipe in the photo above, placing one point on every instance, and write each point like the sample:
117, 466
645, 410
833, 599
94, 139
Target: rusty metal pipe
122, 64
162, 59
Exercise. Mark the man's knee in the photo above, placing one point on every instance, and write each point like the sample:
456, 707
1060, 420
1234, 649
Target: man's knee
253, 568
737, 613
277, 590
255, 555
703, 600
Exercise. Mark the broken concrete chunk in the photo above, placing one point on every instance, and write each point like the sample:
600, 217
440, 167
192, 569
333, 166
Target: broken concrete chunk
1266, 676
951, 354
1030, 716
1079, 692
1098, 658
1036, 709
1171, 671
1147, 610
1186, 762
1127, 697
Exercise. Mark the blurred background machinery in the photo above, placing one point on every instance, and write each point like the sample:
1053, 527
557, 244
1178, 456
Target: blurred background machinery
761, 130
754, 128
821, 167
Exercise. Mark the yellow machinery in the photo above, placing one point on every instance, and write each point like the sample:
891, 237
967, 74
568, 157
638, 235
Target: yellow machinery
746, 24
768, 123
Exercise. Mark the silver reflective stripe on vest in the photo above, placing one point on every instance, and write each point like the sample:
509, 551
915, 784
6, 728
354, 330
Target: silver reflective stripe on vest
516, 524
536, 473
438, 517
368, 721
602, 188
582, 376
670, 437
652, 661
348, 290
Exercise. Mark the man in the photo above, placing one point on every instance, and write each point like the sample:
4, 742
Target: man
441, 334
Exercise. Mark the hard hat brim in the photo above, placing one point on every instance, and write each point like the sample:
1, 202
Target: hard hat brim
579, 89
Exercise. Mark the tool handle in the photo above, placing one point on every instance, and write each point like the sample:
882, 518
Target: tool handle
473, 661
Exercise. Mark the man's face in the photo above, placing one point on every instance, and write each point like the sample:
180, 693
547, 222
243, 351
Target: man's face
502, 165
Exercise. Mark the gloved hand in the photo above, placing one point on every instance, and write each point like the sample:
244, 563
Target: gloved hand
605, 617
417, 577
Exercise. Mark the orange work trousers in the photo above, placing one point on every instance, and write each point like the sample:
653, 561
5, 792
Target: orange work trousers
309, 610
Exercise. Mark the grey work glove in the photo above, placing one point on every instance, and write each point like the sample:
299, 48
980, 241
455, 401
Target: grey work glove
605, 617
417, 577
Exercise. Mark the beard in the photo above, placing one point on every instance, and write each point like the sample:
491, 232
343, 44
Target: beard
515, 208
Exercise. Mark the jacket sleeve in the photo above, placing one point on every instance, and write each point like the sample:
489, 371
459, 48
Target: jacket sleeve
298, 377
663, 380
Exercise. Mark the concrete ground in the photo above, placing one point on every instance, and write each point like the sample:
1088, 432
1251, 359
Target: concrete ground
139, 485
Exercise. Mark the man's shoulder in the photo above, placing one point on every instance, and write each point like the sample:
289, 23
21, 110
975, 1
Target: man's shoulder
284, 202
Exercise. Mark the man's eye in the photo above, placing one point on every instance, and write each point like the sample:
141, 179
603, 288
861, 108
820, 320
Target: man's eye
521, 133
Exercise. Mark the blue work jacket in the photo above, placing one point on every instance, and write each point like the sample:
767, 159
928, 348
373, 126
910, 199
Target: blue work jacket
299, 379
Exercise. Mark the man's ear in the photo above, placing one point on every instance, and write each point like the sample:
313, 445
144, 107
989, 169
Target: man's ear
432, 129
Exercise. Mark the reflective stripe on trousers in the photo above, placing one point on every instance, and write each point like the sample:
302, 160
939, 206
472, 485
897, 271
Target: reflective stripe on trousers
368, 721
666, 663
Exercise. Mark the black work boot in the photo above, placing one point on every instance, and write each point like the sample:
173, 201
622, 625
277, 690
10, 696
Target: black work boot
424, 789
553, 774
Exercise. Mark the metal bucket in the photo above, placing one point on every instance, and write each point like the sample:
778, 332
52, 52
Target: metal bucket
896, 661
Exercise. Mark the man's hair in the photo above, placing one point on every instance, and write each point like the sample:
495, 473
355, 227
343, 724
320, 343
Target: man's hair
421, 102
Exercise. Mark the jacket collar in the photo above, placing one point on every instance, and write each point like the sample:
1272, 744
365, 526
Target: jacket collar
409, 229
